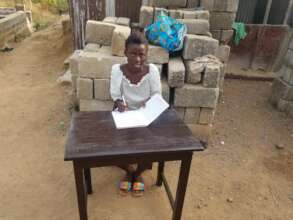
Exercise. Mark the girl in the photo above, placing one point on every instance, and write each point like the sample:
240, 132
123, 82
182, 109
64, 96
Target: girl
132, 84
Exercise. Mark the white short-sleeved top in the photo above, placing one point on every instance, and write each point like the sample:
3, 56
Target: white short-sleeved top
134, 94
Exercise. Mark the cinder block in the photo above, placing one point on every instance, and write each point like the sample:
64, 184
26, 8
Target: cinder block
194, 71
285, 106
74, 62
192, 3
196, 96
177, 14
226, 35
176, 72
180, 112
168, 3
191, 115
85, 88
92, 47
110, 20
165, 90
223, 53
99, 32
188, 14
287, 74
208, 4
222, 20
98, 64
123, 21
206, 116
146, 16
202, 14
74, 82
95, 105
197, 46
120, 34
197, 26
157, 54
211, 75
226, 5
102, 89
281, 90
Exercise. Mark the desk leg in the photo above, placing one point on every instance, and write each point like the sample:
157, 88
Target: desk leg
88, 180
160, 172
181, 187
81, 191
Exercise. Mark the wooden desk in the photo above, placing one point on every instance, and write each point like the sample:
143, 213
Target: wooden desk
94, 141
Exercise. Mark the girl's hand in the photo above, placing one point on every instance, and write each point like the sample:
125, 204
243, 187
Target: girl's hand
144, 102
120, 105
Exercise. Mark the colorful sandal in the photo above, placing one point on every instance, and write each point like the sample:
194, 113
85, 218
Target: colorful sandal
138, 189
124, 187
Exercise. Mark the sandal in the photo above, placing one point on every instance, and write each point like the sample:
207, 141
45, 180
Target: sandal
124, 187
137, 189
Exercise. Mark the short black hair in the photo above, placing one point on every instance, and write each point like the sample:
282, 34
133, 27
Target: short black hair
136, 38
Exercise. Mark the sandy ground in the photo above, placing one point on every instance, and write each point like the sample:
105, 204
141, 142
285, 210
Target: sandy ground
240, 176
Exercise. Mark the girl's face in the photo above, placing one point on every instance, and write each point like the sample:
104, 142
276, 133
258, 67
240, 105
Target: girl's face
136, 55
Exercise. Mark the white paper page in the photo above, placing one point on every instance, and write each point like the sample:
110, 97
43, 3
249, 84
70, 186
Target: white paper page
154, 107
129, 119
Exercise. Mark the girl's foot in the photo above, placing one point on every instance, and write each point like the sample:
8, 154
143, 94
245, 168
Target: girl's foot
125, 185
137, 186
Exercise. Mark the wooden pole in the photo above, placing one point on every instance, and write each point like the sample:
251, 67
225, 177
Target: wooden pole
268, 9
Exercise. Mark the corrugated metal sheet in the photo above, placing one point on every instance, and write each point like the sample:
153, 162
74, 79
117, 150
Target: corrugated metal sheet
246, 11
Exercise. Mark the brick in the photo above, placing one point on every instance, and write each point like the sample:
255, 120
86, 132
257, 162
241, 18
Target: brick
192, 3
165, 90
191, 115
223, 53
287, 74
194, 71
226, 5
120, 34
102, 89
176, 72
123, 21
99, 32
157, 54
74, 62
92, 47
175, 14
222, 20
202, 132
196, 96
168, 3
146, 16
211, 75
95, 105
180, 112
206, 116
197, 46
197, 26
85, 88
281, 90
98, 64
288, 60
110, 20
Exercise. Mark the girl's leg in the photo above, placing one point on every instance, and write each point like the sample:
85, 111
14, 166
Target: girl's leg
125, 184
138, 184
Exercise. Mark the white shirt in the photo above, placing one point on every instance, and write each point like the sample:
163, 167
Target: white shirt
134, 94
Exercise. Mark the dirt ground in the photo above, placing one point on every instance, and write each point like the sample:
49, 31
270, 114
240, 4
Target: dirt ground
241, 175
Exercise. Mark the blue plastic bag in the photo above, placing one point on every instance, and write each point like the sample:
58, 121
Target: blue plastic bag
166, 32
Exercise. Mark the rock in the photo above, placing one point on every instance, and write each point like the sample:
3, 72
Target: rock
230, 200
99, 32
279, 146
176, 72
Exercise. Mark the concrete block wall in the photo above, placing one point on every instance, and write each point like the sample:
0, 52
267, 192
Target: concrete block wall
282, 88
14, 25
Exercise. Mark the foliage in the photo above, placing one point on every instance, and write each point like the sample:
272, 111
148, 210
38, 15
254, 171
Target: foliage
59, 5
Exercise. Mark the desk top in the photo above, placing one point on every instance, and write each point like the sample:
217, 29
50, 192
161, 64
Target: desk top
94, 135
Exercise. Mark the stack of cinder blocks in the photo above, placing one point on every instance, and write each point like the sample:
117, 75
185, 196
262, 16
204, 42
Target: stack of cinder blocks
196, 76
282, 89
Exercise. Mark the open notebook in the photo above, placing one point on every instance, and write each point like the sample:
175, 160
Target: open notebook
143, 116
